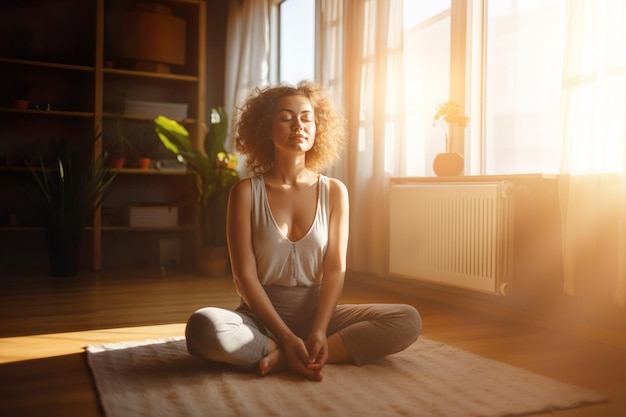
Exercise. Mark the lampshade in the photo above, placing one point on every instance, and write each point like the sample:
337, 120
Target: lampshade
155, 39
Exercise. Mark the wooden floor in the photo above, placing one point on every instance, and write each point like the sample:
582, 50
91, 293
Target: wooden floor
45, 324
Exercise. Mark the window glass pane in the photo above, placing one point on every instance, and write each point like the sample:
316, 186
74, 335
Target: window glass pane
427, 78
416, 12
524, 49
297, 40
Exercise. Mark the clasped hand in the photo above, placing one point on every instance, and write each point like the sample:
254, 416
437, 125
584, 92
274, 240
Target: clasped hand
307, 358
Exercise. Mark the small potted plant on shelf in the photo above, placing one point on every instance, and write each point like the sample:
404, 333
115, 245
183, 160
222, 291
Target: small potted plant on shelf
118, 144
68, 195
120, 150
449, 115
21, 94
215, 173
144, 141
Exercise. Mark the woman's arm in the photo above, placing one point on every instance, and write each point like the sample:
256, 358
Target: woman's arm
241, 251
334, 272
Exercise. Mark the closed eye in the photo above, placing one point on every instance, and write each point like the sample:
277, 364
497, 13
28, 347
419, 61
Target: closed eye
286, 115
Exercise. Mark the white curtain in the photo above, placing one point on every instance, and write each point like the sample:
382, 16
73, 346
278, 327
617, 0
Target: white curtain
360, 61
361, 58
330, 62
247, 57
593, 179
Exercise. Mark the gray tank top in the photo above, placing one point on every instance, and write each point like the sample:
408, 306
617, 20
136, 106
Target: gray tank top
280, 261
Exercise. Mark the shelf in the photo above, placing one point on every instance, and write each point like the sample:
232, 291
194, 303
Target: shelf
82, 74
23, 169
176, 229
47, 112
187, 121
148, 229
181, 2
21, 229
189, 228
146, 74
137, 171
43, 64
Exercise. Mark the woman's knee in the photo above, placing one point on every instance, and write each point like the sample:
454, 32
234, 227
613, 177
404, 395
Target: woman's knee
201, 332
411, 321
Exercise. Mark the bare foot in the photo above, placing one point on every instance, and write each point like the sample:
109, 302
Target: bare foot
273, 362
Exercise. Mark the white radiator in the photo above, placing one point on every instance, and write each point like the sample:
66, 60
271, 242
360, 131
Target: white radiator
458, 234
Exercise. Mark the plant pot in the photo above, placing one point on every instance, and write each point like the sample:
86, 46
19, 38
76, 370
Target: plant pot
63, 255
143, 163
212, 261
118, 162
20, 104
448, 164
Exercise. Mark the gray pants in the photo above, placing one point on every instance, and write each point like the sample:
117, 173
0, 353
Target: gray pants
369, 331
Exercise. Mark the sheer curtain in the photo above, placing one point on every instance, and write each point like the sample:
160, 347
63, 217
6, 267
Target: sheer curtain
593, 180
248, 44
369, 81
360, 61
330, 61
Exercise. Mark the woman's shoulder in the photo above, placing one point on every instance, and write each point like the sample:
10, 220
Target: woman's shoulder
337, 188
244, 185
333, 182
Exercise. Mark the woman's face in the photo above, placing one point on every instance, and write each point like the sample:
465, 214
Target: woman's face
293, 124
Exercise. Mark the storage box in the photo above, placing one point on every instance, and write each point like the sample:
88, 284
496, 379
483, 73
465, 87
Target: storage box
153, 216
176, 111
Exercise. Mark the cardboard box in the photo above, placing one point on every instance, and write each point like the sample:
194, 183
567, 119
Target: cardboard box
153, 216
176, 111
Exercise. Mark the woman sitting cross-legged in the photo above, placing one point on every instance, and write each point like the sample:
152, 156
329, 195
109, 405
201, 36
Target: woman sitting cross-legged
287, 234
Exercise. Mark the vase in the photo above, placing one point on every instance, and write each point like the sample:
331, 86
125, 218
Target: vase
448, 164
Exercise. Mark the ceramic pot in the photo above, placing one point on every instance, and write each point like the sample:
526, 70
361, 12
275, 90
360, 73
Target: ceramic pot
117, 162
448, 164
143, 163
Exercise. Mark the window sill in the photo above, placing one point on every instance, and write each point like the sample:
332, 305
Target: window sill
470, 178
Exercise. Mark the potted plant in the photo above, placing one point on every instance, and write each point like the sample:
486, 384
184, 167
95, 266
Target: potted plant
21, 94
68, 194
120, 149
448, 115
215, 174
144, 142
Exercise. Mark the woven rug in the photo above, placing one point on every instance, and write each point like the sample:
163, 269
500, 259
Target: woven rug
159, 378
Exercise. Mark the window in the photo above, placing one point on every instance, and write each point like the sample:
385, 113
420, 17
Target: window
524, 63
296, 39
427, 78
510, 82
501, 59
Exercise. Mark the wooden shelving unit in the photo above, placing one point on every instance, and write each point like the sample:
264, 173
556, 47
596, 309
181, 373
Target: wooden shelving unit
64, 55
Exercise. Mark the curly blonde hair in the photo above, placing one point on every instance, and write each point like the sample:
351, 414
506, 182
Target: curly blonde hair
253, 126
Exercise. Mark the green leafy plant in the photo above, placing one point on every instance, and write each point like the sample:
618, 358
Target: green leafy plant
214, 170
449, 114
68, 194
